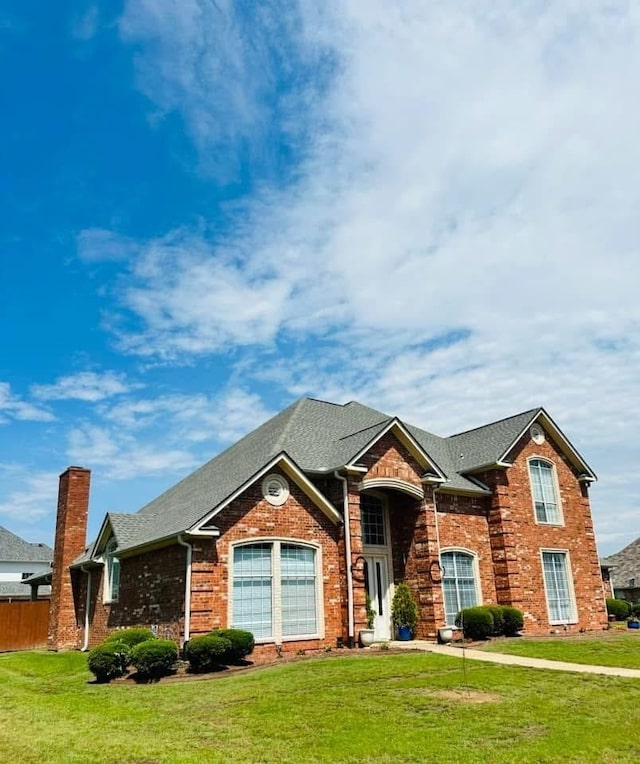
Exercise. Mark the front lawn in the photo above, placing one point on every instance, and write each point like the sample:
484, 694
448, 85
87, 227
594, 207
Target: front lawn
412, 707
615, 649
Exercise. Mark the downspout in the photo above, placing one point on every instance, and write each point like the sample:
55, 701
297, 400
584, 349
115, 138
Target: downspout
187, 588
87, 606
347, 548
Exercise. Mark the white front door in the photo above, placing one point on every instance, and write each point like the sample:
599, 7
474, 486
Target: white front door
376, 578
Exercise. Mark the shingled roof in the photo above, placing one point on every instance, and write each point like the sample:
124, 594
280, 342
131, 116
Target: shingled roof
15, 549
318, 437
625, 566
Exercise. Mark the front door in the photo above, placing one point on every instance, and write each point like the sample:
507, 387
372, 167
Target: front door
376, 581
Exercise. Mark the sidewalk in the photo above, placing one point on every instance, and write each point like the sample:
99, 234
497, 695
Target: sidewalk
514, 660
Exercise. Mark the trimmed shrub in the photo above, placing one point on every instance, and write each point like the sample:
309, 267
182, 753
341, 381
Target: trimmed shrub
476, 622
498, 619
512, 620
404, 610
242, 642
131, 637
620, 609
154, 658
208, 653
108, 660
635, 610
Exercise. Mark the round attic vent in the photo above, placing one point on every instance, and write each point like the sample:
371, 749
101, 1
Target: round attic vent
275, 490
537, 434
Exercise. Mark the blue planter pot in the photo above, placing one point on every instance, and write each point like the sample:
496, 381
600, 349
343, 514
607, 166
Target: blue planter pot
633, 624
404, 633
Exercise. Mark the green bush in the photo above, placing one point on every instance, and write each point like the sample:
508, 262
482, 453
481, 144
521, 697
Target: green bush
154, 658
404, 610
620, 609
131, 637
108, 660
476, 622
208, 653
635, 610
242, 642
498, 619
512, 620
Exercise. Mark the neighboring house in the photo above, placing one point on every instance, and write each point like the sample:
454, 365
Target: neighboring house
19, 560
624, 572
284, 532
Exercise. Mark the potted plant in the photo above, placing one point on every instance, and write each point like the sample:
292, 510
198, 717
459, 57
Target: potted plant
404, 612
366, 635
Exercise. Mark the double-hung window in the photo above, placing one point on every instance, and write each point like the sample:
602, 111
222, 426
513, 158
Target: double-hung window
558, 587
112, 573
545, 495
459, 584
275, 590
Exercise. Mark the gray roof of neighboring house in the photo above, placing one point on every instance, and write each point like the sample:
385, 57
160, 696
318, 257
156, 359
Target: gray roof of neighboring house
319, 437
625, 566
17, 589
15, 549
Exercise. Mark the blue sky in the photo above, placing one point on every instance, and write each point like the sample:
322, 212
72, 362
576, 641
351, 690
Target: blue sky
209, 209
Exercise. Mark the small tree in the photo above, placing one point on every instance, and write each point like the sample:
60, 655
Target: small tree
404, 610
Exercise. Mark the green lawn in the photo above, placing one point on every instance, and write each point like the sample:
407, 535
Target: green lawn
616, 649
380, 707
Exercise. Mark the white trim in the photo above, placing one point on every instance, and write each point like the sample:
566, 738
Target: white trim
573, 616
556, 485
476, 573
294, 472
107, 578
276, 601
407, 440
396, 484
282, 496
558, 436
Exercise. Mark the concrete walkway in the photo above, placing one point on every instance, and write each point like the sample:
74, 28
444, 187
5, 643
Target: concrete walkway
515, 660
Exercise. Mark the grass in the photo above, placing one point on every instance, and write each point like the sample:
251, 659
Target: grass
616, 649
379, 708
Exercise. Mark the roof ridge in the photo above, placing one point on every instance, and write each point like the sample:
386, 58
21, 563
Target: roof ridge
489, 424
369, 427
294, 409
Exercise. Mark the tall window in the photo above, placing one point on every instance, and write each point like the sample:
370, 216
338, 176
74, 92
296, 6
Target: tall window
274, 590
372, 517
556, 584
458, 583
543, 487
112, 573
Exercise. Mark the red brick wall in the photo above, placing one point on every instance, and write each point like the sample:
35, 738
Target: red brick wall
463, 524
251, 516
70, 540
526, 538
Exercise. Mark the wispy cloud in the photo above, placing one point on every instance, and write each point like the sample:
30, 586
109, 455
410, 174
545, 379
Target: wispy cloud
96, 245
34, 499
14, 407
85, 386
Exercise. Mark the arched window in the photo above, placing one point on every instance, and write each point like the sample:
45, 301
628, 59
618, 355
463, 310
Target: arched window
544, 492
274, 591
112, 573
459, 584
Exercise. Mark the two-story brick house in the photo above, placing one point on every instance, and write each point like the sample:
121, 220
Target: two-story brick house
284, 532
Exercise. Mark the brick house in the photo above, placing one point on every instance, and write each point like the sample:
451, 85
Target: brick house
284, 532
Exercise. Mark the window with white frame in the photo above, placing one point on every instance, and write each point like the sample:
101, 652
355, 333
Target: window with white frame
112, 573
545, 495
274, 590
558, 587
459, 584
373, 520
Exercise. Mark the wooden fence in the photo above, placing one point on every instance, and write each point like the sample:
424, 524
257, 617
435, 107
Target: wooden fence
23, 625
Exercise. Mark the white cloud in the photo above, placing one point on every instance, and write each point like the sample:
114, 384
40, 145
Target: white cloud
85, 386
84, 27
32, 497
96, 245
467, 173
14, 407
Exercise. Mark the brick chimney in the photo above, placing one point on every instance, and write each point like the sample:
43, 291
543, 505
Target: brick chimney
70, 541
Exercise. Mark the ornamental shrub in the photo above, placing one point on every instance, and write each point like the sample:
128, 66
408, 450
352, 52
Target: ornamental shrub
131, 637
512, 620
108, 660
498, 619
208, 653
404, 610
620, 609
476, 622
635, 610
154, 658
242, 642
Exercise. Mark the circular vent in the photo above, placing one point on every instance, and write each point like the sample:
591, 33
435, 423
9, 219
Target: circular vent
275, 490
537, 434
